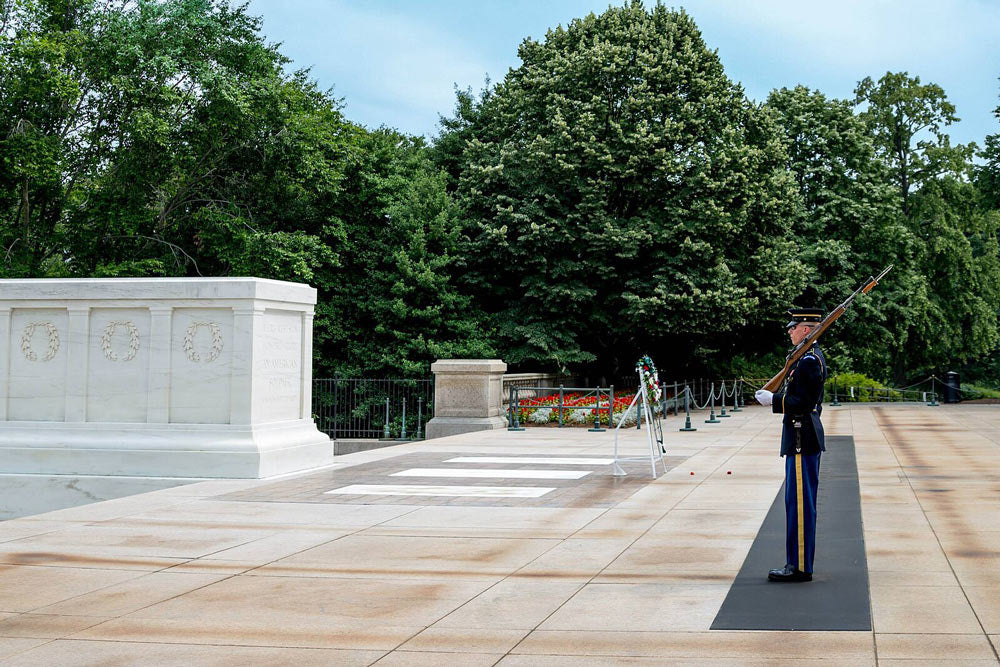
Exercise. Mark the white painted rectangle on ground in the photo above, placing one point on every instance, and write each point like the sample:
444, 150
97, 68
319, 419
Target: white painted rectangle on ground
444, 490
480, 472
531, 460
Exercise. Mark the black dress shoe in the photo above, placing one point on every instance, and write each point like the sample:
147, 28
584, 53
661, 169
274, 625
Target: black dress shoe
788, 573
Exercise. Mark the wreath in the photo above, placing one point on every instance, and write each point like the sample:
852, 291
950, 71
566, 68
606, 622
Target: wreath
50, 351
650, 379
133, 340
216, 350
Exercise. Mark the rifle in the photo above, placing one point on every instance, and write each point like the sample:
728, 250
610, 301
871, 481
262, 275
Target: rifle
802, 347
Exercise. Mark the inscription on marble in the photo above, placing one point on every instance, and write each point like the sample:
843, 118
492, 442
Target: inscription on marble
280, 365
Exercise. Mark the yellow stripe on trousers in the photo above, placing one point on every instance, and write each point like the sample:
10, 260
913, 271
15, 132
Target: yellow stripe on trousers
798, 511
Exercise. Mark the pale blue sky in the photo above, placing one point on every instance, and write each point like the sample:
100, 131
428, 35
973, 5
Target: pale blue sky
396, 62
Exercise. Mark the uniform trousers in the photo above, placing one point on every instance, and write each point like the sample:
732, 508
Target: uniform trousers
801, 487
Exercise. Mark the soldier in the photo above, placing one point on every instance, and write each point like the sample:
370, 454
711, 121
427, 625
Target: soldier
801, 403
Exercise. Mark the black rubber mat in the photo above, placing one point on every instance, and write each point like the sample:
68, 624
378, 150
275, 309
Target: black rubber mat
837, 597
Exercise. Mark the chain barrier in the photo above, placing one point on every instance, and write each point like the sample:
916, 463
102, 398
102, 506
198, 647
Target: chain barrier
730, 394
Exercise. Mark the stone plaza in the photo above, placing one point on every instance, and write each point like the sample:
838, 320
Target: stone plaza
559, 564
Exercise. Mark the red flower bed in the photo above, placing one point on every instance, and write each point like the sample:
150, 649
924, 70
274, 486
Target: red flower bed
572, 402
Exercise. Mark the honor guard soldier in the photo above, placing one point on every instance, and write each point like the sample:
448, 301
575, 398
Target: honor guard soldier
801, 403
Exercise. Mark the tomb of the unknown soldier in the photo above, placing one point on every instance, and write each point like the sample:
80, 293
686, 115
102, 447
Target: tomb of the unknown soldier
156, 379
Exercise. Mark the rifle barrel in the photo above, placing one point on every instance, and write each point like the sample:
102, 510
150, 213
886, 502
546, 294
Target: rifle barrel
798, 350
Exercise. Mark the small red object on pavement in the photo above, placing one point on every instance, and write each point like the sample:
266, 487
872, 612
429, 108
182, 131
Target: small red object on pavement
692, 472
729, 472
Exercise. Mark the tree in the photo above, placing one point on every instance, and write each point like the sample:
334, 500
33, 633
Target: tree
165, 138
135, 138
622, 195
950, 313
961, 264
900, 110
849, 226
988, 173
396, 307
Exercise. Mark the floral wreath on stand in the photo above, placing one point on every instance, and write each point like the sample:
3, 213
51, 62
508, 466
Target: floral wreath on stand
650, 379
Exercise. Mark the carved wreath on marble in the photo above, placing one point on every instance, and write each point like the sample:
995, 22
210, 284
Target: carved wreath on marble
50, 351
216, 350
133, 340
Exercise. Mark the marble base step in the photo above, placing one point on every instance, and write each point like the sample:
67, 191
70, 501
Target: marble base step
163, 450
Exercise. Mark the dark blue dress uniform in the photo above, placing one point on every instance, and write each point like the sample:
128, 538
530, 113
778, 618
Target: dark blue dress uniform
802, 442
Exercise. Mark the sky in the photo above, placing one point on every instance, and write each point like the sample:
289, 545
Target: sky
397, 62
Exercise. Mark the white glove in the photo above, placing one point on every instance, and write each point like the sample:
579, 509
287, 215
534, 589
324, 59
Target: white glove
764, 397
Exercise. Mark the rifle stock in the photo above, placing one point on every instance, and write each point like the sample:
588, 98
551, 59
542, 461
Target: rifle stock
800, 349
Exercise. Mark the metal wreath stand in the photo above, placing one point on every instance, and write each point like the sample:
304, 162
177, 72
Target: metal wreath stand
655, 452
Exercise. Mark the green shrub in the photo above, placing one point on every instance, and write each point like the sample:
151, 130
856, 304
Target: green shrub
865, 388
756, 366
974, 391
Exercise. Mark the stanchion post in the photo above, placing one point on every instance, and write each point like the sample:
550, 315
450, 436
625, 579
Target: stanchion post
597, 415
611, 406
724, 413
515, 403
737, 388
385, 429
711, 419
560, 406
687, 410
835, 401
510, 406
933, 402
402, 433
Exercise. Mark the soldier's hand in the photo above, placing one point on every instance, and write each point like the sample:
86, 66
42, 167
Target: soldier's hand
764, 397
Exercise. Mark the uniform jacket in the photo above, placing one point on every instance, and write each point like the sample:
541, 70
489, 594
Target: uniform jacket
801, 401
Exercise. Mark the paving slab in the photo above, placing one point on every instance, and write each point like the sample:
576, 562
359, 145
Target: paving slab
599, 570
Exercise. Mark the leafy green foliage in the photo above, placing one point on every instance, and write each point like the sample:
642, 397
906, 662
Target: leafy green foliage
951, 271
615, 194
908, 120
400, 254
849, 224
138, 134
974, 391
864, 388
621, 194
987, 175
158, 138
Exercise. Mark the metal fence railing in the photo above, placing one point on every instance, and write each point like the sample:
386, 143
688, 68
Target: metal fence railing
532, 385
594, 406
383, 408
399, 408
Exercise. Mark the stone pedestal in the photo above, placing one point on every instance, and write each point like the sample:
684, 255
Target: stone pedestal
468, 395
164, 377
